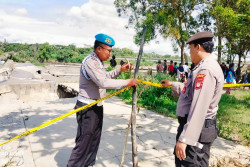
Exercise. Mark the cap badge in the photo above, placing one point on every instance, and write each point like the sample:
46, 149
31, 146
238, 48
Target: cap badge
107, 40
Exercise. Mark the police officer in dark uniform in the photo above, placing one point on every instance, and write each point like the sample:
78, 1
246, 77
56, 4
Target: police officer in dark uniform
93, 82
198, 104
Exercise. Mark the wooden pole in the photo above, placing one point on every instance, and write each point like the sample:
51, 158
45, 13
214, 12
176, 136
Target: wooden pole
134, 103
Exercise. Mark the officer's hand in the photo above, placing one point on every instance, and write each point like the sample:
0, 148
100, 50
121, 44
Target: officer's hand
132, 82
180, 150
126, 66
166, 83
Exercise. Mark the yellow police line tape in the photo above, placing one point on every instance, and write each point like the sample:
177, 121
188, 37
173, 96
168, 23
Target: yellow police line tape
93, 103
225, 85
235, 85
149, 83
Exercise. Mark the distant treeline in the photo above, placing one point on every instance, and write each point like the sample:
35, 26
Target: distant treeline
40, 53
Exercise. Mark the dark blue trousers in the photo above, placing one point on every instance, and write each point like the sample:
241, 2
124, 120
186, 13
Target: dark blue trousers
88, 136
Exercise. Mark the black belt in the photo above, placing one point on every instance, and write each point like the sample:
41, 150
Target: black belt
208, 122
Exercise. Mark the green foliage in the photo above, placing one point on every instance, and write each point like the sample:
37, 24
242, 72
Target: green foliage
40, 53
1, 52
138, 16
158, 99
153, 98
169, 18
76, 59
44, 53
109, 68
236, 24
15, 47
15, 57
233, 23
65, 55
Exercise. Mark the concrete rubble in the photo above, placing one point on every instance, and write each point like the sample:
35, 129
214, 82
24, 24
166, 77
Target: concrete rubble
28, 99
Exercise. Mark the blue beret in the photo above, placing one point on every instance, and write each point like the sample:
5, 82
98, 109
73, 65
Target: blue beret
107, 40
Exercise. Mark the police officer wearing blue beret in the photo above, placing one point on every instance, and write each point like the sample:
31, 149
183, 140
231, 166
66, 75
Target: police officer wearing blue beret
93, 82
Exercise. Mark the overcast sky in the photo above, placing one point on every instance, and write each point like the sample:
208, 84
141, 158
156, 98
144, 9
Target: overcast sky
69, 22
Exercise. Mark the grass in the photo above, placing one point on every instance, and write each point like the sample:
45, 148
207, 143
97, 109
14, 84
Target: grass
153, 98
233, 115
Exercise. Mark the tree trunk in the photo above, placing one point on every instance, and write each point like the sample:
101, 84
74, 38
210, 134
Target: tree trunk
218, 25
134, 103
185, 58
182, 52
219, 46
229, 56
238, 70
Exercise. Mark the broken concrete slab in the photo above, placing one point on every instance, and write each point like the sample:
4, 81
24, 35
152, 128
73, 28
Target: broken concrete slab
26, 71
4, 88
5, 70
18, 152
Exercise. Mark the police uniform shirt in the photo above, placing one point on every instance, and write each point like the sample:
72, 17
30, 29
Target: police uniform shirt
199, 98
98, 79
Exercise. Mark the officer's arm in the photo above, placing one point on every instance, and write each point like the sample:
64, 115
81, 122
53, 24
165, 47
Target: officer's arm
203, 92
177, 88
113, 74
98, 76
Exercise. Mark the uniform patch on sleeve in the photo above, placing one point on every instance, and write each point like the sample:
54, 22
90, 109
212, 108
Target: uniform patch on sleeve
199, 81
184, 90
97, 65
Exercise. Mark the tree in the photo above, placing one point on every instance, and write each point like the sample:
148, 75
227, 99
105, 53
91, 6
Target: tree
176, 21
169, 18
138, 11
235, 20
206, 19
145, 31
44, 52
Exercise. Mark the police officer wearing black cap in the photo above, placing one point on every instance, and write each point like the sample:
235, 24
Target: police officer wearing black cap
93, 83
198, 104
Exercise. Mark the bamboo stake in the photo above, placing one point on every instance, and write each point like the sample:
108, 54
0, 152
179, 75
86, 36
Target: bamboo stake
133, 114
126, 140
125, 144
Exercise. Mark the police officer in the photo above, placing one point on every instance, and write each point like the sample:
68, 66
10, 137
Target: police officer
93, 83
198, 104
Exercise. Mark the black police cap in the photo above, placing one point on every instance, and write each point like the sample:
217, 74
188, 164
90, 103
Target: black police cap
201, 37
